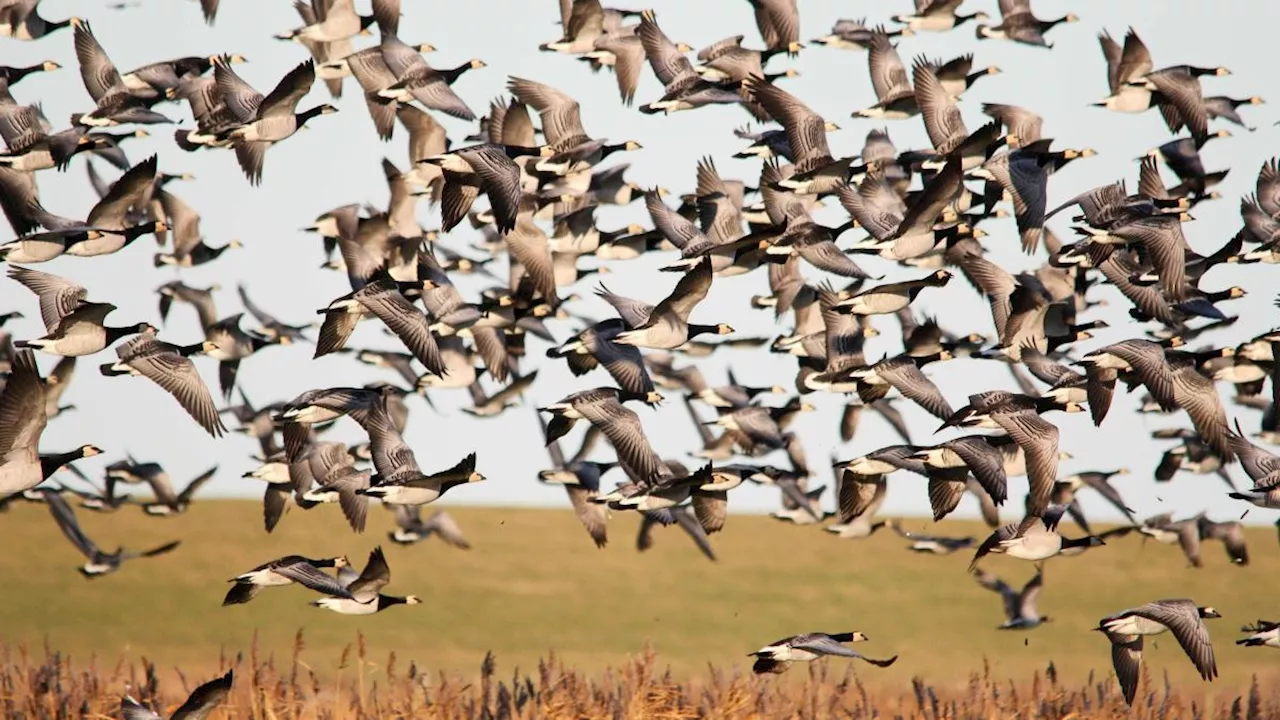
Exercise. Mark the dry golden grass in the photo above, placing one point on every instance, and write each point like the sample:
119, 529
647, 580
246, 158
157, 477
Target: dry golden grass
362, 687
533, 585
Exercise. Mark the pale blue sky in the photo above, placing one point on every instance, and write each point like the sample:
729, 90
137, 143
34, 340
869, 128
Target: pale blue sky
337, 161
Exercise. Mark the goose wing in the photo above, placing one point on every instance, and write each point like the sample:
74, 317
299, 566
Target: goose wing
204, 699
22, 409
178, 376
1182, 617
58, 296
1038, 438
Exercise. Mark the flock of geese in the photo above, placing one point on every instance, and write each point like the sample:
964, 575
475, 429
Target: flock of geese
927, 217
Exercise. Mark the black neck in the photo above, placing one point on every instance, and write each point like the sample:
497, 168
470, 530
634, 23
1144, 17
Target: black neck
309, 113
451, 75
115, 333
695, 330
385, 601
49, 464
1077, 542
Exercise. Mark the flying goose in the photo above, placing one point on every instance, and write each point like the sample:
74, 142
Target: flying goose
895, 98
902, 373
891, 297
265, 120
1019, 416
411, 528
934, 544
340, 22
1261, 466
854, 35
167, 366
202, 701
683, 88
314, 407
399, 480
22, 422
1262, 633
681, 516
816, 171
1182, 617
666, 325
362, 594
228, 344
417, 80
937, 16
98, 562
286, 571
603, 408
595, 347
1036, 538
1125, 66
115, 104
169, 503
1018, 24
486, 168
1143, 358
777, 656
581, 480
858, 499
201, 299
573, 150
1020, 608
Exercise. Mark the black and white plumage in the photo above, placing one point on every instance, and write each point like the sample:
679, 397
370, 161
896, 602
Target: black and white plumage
1126, 630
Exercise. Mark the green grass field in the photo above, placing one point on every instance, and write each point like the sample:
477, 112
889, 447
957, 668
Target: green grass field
534, 583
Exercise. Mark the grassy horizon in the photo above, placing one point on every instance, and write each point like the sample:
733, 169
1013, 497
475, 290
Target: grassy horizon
534, 583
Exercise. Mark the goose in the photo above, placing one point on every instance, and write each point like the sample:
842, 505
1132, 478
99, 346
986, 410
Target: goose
339, 22
115, 105
816, 171
937, 16
1143, 358
201, 299
684, 518
1230, 534
1036, 538
603, 408
485, 405
30, 148
1261, 466
1221, 106
484, 168
1023, 126
666, 325
228, 344
314, 407
411, 528
573, 150
891, 297
1178, 92
80, 331
343, 485
1124, 66
1018, 416
365, 590
583, 21
855, 35
595, 347
384, 299
858, 499
902, 373
895, 98
97, 562
417, 80
1018, 24
167, 366
683, 88
22, 422
398, 479
777, 656
286, 571
581, 481
1263, 633
265, 120
203, 700
1064, 493
918, 231
957, 75
1182, 617
169, 503
1020, 606
933, 544
975, 454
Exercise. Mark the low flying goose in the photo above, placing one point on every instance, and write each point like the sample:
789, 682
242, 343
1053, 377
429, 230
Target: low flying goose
286, 571
816, 171
934, 544
340, 22
1019, 416
1182, 617
978, 456
74, 325
683, 517
1035, 538
97, 562
315, 407
1018, 24
168, 366
228, 344
1262, 634
858, 499
1124, 66
202, 701
581, 480
22, 422
1261, 466
1020, 610
411, 528
574, 150
169, 503
776, 657
903, 373
364, 590
399, 480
